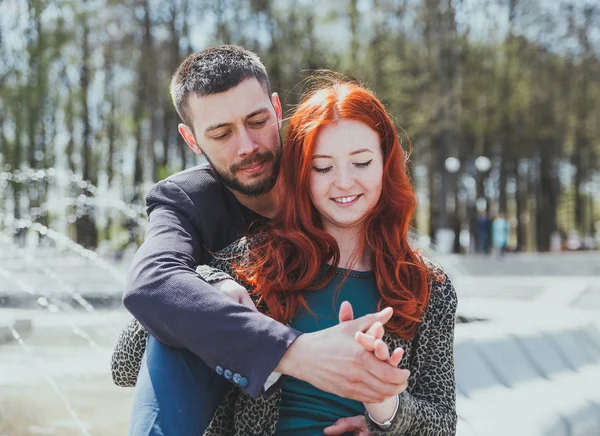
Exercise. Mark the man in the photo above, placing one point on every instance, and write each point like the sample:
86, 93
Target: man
201, 340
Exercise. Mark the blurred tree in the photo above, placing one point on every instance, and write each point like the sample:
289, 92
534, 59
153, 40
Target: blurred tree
517, 81
86, 231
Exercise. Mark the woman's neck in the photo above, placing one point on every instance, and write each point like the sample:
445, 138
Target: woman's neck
348, 241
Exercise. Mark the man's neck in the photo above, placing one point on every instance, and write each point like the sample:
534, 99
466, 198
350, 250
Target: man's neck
265, 205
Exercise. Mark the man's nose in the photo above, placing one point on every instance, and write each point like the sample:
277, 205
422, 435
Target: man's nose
246, 144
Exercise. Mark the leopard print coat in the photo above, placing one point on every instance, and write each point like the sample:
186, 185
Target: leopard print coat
427, 407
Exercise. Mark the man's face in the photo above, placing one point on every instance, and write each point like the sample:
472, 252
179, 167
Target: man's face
238, 132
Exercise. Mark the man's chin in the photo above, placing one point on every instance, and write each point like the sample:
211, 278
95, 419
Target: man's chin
252, 187
258, 188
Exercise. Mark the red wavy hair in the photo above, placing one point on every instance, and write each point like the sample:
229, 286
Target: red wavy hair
289, 253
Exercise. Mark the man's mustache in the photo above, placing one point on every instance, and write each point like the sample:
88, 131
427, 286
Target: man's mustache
251, 161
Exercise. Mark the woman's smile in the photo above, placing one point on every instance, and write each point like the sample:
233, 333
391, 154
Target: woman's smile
346, 201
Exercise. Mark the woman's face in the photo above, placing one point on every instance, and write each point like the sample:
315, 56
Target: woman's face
347, 171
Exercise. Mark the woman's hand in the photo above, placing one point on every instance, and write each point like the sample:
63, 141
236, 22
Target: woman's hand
236, 292
372, 341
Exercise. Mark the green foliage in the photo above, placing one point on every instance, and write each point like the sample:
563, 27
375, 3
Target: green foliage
452, 75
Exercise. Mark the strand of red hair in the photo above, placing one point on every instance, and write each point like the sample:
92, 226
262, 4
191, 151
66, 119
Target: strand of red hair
293, 249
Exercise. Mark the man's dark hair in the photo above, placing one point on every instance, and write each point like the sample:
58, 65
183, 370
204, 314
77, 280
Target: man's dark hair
212, 71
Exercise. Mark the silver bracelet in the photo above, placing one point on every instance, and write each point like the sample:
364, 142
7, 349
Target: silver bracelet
388, 422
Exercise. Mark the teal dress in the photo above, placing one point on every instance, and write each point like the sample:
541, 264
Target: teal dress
306, 410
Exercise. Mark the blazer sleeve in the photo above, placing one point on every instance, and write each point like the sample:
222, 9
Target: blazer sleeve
175, 305
428, 407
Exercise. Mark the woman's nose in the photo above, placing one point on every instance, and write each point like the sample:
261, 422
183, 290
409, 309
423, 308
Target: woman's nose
344, 180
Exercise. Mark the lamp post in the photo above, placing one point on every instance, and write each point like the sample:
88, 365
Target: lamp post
482, 165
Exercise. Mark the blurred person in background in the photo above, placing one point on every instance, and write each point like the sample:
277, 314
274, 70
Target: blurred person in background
483, 232
500, 233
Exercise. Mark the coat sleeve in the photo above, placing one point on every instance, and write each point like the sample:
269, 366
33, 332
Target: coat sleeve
428, 407
180, 309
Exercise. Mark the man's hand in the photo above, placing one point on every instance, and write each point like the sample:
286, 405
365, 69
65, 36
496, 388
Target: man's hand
236, 292
333, 361
355, 424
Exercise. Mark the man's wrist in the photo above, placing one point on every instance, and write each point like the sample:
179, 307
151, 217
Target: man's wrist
291, 364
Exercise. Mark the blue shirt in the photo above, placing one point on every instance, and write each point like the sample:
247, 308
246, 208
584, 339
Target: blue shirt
306, 410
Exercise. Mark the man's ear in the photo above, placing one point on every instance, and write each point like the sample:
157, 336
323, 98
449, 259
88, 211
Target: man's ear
188, 137
278, 110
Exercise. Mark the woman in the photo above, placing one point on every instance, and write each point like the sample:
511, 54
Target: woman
342, 235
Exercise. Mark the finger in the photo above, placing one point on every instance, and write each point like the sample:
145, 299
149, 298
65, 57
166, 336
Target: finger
376, 330
383, 372
365, 322
382, 351
370, 388
345, 425
247, 301
367, 388
404, 387
346, 312
366, 341
396, 357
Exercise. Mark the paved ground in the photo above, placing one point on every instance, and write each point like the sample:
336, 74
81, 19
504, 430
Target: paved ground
570, 280
58, 382
568, 264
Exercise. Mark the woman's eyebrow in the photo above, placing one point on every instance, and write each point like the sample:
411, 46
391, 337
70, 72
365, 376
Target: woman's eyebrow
324, 156
362, 150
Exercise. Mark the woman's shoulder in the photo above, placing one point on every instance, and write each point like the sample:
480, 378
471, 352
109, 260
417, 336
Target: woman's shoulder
233, 253
442, 290
236, 252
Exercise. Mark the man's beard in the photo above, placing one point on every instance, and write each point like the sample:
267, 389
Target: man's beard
251, 190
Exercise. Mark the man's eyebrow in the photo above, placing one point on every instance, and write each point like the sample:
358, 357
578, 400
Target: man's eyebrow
257, 112
250, 115
216, 126
324, 156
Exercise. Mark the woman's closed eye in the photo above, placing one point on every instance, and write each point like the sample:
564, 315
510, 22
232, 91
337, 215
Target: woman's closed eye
356, 164
363, 164
321, 170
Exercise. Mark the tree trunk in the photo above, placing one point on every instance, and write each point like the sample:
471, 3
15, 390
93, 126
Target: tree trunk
87, 233
547, 202
521, 201
354, 41
447, 138
506, 149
